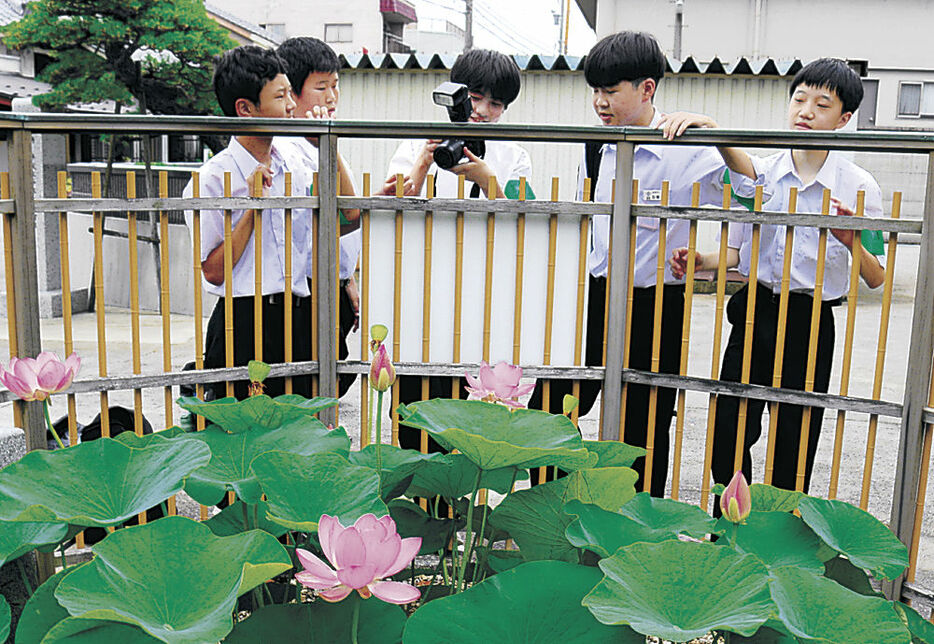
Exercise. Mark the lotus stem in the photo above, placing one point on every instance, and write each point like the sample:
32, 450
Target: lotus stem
369, 416
379, 441
355, 619
48, 421
468, 544
22, 573
476, 569
61, 552
246, 518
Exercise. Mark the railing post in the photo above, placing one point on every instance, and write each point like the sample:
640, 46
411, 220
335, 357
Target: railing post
908, 462
326, 289
619, 287
26, 293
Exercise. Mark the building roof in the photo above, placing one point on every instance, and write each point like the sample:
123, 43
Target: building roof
536, 62
238, 23
15, 86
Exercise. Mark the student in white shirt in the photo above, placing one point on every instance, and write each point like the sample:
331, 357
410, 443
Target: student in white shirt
313, 73
251, 82
824, 95
624, 70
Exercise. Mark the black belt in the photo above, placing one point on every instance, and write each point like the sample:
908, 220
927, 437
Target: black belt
798, 294
278, 299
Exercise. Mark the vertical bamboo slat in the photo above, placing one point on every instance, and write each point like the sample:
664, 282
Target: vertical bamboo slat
364, 314
426, 307
314, 280
629, 303
99, 301
287, 286
256, 190
582, 273
488, 272
520, 267
458, 283
228, 285
10, 291
166, 303
133, 248
396, 307
199, 313
549, 304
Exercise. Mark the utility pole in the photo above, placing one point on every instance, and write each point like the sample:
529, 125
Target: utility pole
468, 31
679, 25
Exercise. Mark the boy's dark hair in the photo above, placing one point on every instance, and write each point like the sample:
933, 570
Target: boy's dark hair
242, 72
484, 70
835, 75
625, 56
306, 56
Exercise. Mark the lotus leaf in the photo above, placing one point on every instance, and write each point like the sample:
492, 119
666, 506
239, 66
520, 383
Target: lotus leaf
493, 437
842, 571
98, 483
237, 416
42, 611
603, 532
614, 453
173, 578
817, 608
5, 618
229, 521
78, 630
412, 521
535, 517
397, 468
19, 537
853, 532
669, 515
131, 439
922, 631
535, 602
502, 560
321, 623
653, 587
766, 498
454, 475
299, 489
232, 455
798, 545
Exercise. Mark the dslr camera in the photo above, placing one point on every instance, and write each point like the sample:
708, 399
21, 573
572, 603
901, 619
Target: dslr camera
455, 97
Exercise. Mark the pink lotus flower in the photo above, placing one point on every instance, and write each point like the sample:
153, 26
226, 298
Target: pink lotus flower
498, 384
736, 502
40, 377
362, 556
382, 373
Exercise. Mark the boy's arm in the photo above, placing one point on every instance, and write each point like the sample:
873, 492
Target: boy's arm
212, 266
678, 261
345, 188
675, 124
870, 269
415, 170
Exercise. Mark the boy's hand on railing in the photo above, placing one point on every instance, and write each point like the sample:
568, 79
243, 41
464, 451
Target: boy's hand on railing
389, 187
846, 237
678, 262
266, 174
675, 124
353, 294
476, 169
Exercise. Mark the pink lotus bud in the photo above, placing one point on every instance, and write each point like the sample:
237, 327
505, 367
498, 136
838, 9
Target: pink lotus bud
736, 502
382, 373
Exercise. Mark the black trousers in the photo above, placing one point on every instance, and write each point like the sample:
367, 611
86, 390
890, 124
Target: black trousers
273, 341
347, 318
794, 369
640, 357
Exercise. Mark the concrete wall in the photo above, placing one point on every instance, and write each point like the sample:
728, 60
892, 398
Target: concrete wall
308, 19
887, 106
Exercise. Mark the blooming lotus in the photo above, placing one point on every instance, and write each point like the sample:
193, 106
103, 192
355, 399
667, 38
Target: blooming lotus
736, 502
382, 373
498, 384
362, 556
40, 377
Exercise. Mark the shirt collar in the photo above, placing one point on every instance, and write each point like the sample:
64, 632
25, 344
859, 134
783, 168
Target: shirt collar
655, 150
246, 163
826, 176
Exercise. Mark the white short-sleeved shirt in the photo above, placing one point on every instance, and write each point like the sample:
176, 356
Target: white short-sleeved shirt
507, 160
350, 243
681, 166
236, 160
777, 174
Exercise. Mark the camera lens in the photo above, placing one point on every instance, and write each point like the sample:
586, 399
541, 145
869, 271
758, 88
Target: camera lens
448, 153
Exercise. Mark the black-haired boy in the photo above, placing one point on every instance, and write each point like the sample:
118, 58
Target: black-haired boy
823, 96
624, 70
251, 82
313, 73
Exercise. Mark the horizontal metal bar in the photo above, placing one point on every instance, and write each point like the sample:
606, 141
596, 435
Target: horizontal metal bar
7, 206
532, 207
910, 142
927, 416
458, 369
778, 218
175, 203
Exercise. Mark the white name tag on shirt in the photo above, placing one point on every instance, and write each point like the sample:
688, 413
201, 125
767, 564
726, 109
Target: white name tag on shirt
651, 195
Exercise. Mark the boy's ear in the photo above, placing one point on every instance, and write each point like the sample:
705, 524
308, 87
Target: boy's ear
648, 88
244, 107
844, 119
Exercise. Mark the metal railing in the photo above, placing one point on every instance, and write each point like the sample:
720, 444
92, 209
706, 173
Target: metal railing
20, 207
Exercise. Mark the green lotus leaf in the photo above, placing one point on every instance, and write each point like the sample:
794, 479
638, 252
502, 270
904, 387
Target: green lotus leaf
321, 623
5, 617
172, 578
842, 571
99, 483
299, 489
237, 416
229, 521
922, 631
42, 611
603, 532
535, 602
493, 437
674, 517
232, 455
454, 475
774, 632
397, 466
19, 537
654, 588
130, 439
412, 521
535, 517
502, 560
817, 608
776, 539
853, 532
78, 630
766, 498
614, 453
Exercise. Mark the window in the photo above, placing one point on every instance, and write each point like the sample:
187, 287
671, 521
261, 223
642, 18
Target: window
277, 29
338, 32
916, 99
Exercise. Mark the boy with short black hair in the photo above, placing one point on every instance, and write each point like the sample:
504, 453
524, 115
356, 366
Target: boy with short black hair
313, 72
250, 81
823, 96
624, 70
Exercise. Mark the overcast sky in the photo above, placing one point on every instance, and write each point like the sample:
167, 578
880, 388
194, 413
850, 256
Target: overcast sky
516, 26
